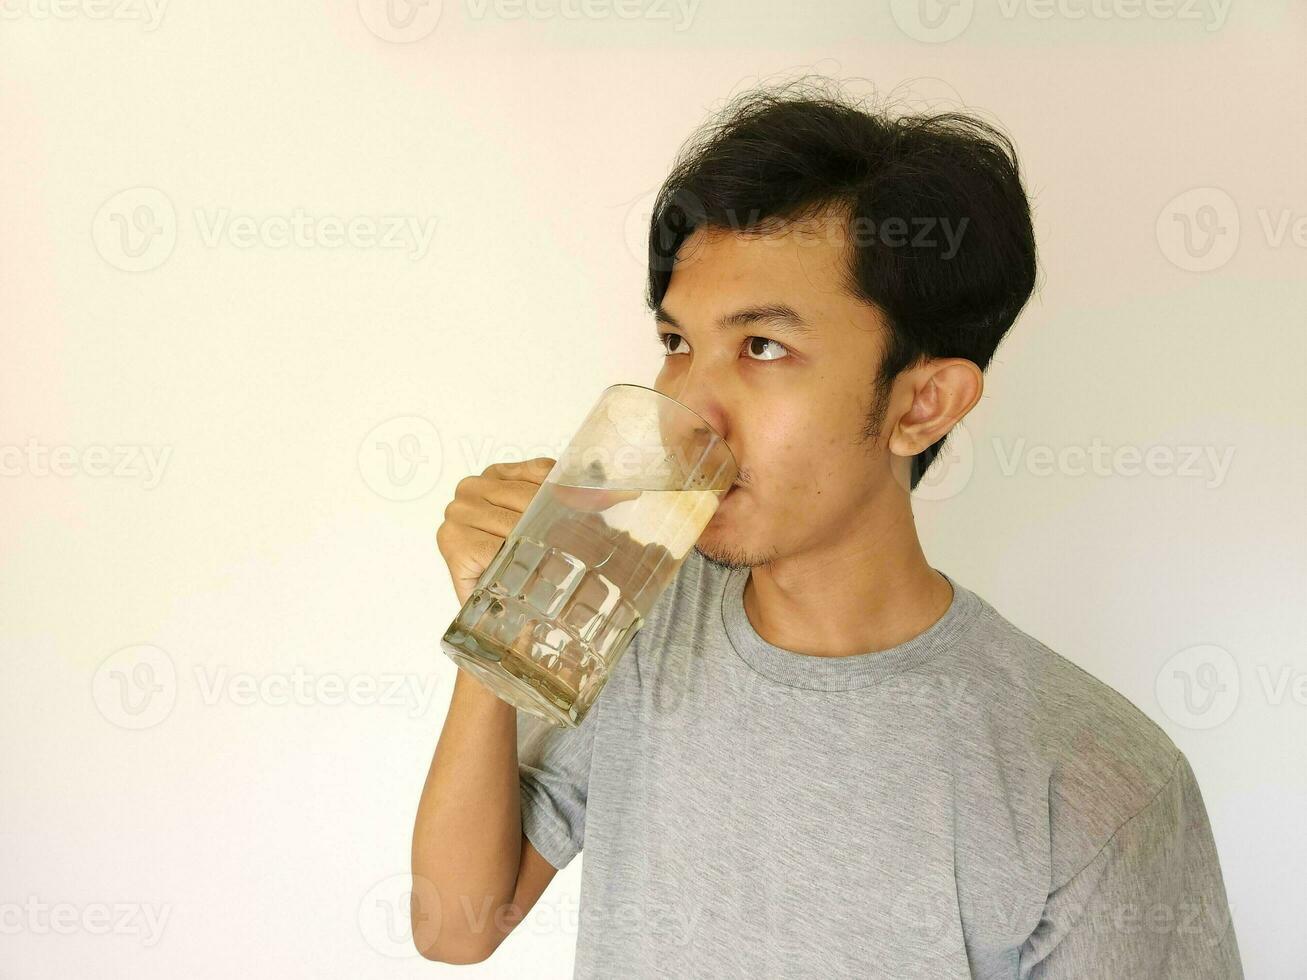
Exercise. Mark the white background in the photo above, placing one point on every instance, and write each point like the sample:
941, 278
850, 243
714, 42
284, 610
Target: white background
273, 558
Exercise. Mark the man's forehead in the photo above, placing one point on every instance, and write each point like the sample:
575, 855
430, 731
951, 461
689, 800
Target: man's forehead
805, 268
808, 250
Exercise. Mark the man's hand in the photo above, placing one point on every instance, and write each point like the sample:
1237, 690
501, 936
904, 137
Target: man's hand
484, 510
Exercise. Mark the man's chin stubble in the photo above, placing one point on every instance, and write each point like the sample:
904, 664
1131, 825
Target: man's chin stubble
733, 559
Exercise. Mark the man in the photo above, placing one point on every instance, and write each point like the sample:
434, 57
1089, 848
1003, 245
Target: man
822, 757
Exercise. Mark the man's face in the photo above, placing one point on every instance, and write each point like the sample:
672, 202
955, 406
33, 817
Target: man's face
790, 398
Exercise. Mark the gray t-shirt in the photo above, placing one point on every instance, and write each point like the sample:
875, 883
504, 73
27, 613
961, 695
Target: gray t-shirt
966, 804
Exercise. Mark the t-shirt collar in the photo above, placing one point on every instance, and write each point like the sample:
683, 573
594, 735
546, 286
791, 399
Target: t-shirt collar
838, 673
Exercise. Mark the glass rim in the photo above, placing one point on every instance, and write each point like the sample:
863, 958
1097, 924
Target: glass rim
711, 428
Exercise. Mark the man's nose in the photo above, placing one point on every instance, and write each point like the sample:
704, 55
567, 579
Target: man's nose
702, 398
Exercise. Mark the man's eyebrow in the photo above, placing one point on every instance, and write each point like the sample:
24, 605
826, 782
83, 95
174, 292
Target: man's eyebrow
779, 316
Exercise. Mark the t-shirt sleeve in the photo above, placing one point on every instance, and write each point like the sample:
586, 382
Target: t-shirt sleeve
554, 775
1151, 903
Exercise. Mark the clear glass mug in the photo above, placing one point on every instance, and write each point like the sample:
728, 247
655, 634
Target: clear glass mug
601, 540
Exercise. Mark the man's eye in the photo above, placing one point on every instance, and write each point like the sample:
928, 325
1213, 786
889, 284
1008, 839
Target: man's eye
755, 347
674, 343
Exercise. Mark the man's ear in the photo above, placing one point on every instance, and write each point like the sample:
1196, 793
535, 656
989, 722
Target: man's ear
943, 390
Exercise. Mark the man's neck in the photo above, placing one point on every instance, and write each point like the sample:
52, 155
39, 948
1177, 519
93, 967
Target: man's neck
872, 590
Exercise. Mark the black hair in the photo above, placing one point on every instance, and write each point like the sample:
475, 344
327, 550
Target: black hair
778, 155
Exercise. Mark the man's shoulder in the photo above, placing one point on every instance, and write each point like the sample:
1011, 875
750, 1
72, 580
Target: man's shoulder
1104, 757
